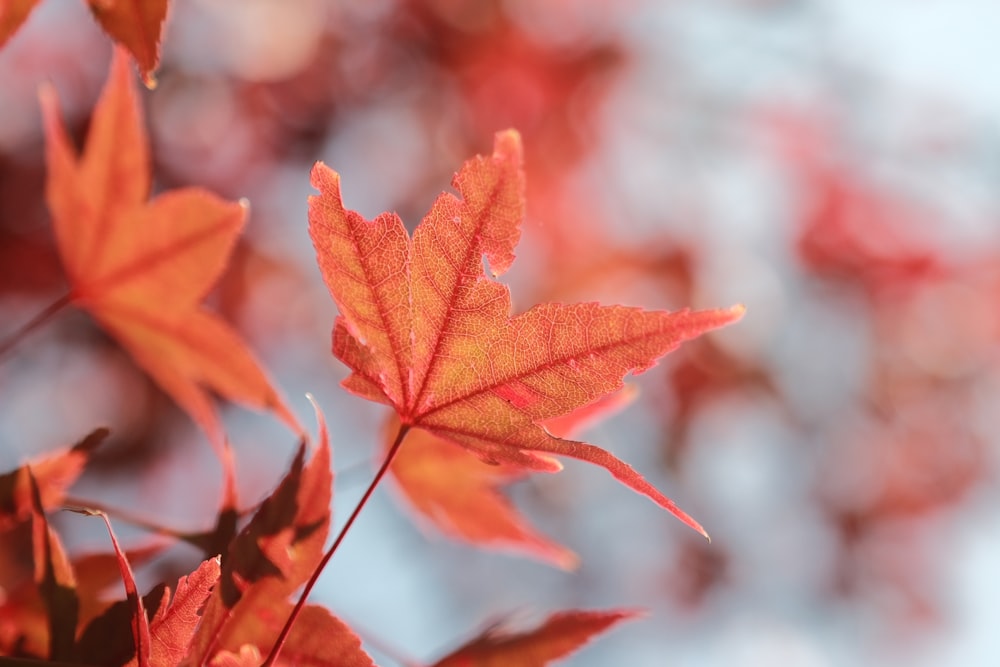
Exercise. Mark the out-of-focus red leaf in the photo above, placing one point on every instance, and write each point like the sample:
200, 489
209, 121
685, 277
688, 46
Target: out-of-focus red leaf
273, 555
141, 268
557, 637
12, 14
851, 230
56, 580
317, 639
24, 620
460, 495
854, 231
425, 331
137, 26
572, 423
53, 473
96, 572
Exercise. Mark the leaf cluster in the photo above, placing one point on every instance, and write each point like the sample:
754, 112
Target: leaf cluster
479, 397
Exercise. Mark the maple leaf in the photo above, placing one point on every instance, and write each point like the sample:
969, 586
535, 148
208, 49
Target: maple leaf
459, 494
137, 26
425, 331
139, 621
141, 268
53, 474
557, 637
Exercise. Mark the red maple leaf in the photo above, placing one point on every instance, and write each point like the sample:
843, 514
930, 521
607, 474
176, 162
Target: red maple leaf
141, 268
425, 331
273, 556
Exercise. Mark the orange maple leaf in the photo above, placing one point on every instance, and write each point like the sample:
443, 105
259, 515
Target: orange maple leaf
425, 331
141, 268
561, 634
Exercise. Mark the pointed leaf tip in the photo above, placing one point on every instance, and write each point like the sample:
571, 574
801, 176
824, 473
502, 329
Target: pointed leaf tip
507, 145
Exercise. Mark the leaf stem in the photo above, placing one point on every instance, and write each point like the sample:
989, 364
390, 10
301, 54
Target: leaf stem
76, 504
283, 636
38, 320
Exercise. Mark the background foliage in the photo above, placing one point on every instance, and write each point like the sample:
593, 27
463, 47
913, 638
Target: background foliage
834, 171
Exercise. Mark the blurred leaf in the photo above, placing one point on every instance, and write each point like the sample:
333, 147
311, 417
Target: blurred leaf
142, 267
425, 331
12, 14
557, 637
139, 621
137, 26
53, 473
460, 495
56, 580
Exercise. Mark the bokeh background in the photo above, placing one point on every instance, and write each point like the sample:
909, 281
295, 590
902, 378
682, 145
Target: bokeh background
835, 166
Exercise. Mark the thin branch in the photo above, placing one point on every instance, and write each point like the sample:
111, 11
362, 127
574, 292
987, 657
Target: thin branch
38, 320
